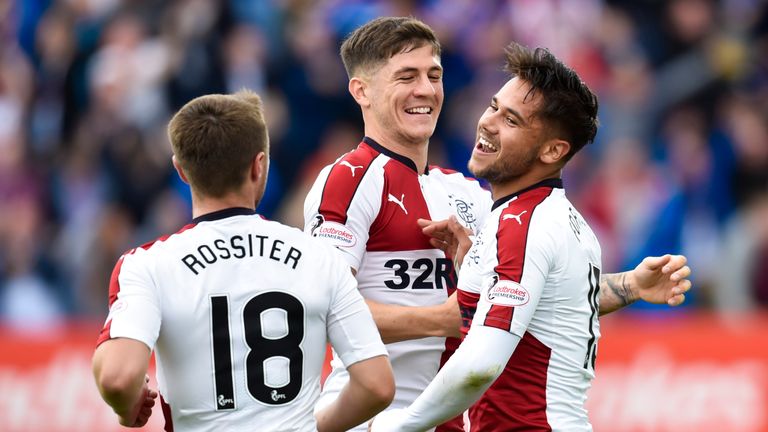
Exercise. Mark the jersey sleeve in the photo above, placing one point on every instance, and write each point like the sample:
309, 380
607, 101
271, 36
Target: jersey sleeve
474, 367
340, 208
134, 309
526, 255
351, 329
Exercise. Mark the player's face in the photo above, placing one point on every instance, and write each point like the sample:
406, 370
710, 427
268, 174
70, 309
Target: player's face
406, 96
509, 137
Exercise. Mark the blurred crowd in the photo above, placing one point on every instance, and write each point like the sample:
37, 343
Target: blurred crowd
87, 87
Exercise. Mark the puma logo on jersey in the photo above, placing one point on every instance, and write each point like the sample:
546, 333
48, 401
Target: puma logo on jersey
515, 217
399, 202
276, 396
350, 166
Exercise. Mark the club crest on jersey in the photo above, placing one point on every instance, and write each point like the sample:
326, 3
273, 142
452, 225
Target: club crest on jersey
508, 293
334, 232
463, 210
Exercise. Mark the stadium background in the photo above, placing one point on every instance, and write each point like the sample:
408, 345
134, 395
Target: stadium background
680, 165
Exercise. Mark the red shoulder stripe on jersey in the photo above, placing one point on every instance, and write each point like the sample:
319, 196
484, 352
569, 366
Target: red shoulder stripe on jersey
511, 242
114, 279
342, 183
162, 238
166, 415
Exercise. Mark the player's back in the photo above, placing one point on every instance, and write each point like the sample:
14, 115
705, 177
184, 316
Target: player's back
244, 306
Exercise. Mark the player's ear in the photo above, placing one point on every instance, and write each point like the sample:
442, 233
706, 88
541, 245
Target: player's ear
179, 169
554, 151
358, 88
260, 167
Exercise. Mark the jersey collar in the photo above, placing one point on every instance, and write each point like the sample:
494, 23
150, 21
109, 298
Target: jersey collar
402, 159
225, 213
552, 182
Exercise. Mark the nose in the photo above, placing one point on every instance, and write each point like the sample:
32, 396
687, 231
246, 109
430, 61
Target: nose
486, 122
425, 87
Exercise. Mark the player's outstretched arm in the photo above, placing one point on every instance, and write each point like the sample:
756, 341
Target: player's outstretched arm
370, 389
398, 323
465, 377
656, 280
120, 369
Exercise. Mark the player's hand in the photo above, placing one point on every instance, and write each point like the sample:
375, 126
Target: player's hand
662, 279
449, 236
387, 421
142, 410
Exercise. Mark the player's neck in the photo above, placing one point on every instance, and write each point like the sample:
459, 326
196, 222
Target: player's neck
500, 190
417, 152
202, 205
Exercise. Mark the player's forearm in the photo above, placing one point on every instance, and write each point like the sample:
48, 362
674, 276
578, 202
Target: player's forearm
120, 389
398, 323
616, 291
120, 368
370, 389
465, 377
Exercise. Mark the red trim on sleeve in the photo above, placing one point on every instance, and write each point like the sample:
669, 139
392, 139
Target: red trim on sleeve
114, 288
114, 281
166, 415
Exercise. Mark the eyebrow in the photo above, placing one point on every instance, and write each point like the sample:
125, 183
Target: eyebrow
511, 111
411, 69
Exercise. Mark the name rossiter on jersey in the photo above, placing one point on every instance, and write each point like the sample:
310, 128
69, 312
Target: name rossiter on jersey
241, 246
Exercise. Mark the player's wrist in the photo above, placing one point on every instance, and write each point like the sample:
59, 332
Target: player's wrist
632, 287
450, 320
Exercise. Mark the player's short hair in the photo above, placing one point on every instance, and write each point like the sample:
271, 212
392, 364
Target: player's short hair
568, 105
375, 42
215, 138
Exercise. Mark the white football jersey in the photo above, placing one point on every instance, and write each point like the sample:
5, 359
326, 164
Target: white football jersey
366, 204
238, 310
534, 270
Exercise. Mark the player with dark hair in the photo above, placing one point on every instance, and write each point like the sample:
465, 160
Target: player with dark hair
368, 204
529, 286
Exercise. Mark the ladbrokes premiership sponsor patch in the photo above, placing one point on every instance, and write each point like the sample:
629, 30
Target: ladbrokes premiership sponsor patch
336, 233
508, 293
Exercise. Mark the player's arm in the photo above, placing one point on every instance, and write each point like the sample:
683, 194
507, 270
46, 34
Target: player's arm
120, 369
353, 336
398, 323
656, 280
370, 389
465, 377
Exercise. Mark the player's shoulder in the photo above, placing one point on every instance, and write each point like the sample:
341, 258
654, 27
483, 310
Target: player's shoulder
295, 235
452, 175
159, 244
457, 179
347, 171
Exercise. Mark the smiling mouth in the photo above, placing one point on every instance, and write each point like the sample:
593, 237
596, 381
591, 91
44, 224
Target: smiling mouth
485, 146
419, 110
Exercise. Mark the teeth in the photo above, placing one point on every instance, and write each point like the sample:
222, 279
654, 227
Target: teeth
419, 110
487, 146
